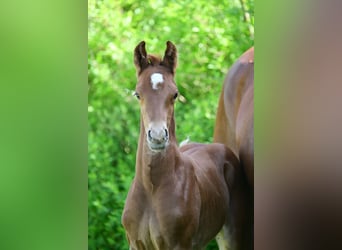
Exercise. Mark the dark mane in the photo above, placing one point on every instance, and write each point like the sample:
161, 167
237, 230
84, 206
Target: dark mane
154, 60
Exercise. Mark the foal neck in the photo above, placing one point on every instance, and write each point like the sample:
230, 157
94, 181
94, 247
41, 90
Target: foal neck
155, 167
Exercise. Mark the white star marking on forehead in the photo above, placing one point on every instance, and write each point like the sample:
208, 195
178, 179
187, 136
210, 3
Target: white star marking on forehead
156, 79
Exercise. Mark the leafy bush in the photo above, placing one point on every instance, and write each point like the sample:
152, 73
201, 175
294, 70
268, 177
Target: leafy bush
209, 38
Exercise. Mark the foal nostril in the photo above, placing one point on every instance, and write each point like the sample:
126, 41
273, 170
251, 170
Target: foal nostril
166, 134
149, 135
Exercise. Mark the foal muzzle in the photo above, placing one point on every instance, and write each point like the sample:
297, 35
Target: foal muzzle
157, 138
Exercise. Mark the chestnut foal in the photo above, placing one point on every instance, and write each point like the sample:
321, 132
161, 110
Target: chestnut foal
180, 197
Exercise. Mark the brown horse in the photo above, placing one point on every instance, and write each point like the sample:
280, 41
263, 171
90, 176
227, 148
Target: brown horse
180, 197
235, 127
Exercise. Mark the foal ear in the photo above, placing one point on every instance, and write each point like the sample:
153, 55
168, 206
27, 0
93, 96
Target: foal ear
170, 57
140, 57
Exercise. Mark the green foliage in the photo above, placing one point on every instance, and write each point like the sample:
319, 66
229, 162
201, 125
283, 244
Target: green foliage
209, 38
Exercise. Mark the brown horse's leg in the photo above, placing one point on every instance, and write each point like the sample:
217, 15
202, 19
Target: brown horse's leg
237, 226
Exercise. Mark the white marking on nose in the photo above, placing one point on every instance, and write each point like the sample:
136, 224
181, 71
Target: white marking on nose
156, 78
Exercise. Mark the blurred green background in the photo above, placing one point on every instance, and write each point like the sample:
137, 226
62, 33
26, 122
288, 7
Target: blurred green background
209, 36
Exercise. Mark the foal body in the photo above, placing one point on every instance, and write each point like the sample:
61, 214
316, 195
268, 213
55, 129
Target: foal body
175, 202
180, 197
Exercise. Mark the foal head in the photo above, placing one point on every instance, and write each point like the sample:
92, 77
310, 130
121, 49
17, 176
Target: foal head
156, 91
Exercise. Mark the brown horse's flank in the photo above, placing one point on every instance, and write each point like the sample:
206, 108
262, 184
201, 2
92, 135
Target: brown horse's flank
235, 128
180, 197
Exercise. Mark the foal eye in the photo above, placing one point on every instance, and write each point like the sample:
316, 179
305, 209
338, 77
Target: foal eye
137, 95
175, 96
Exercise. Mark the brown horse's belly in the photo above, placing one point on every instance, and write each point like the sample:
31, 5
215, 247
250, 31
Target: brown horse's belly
246, 155
245, 134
